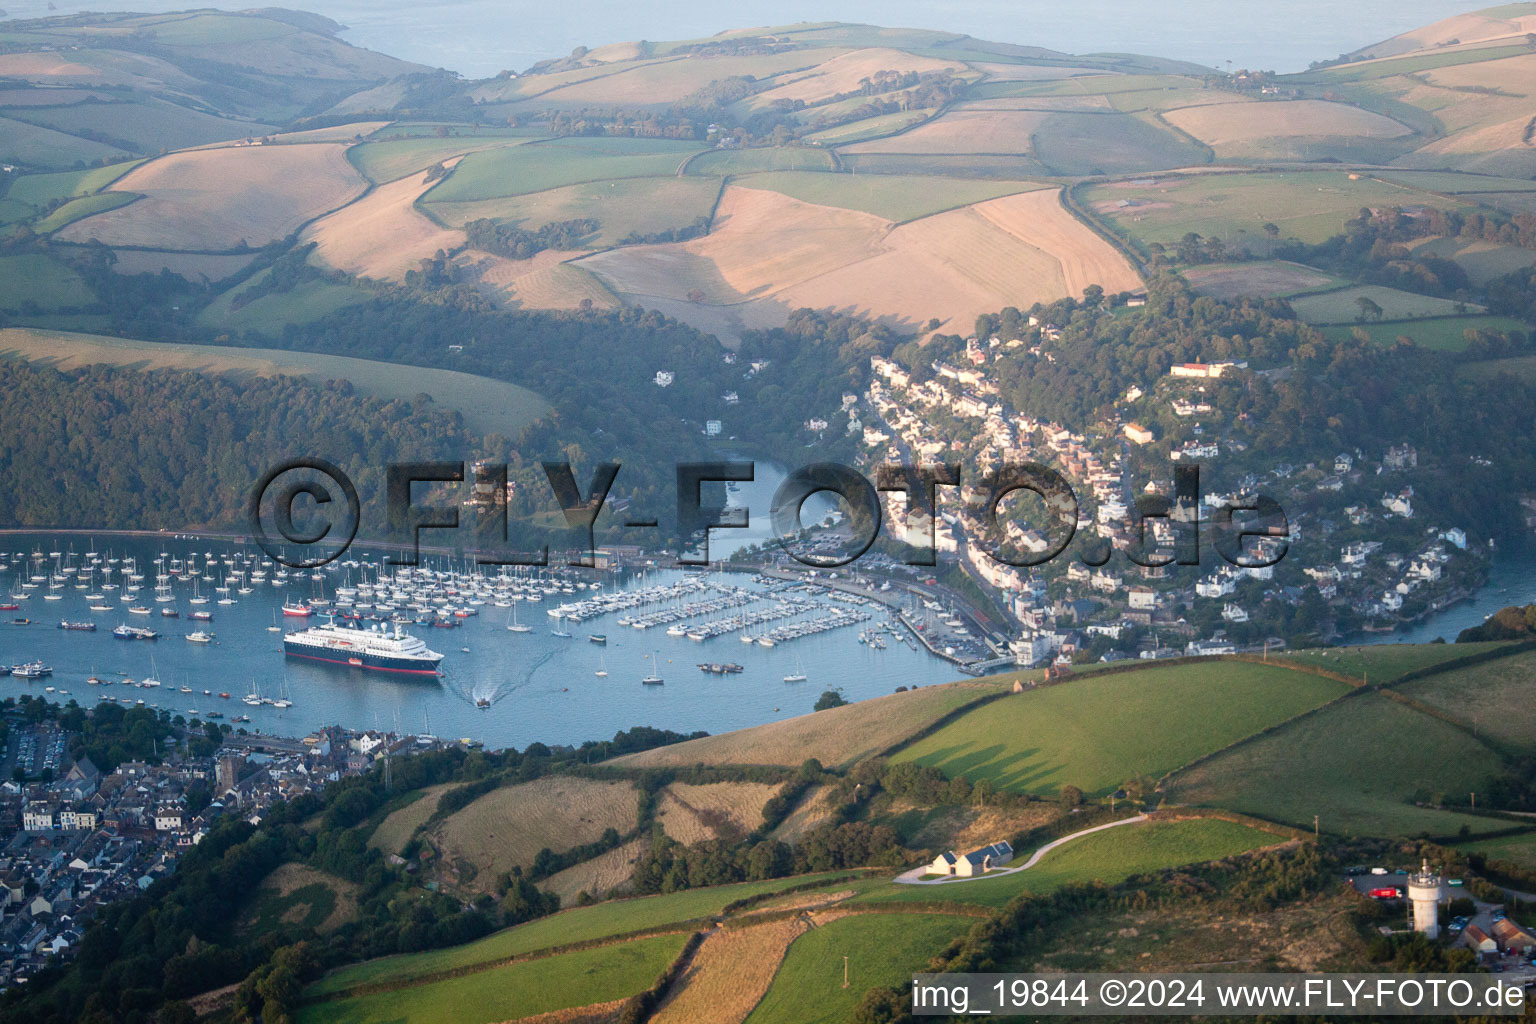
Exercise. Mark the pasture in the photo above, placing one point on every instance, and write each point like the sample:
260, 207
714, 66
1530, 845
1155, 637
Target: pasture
85, 206
1110, 857
305, 302
36, 278
41, 189
1496, 699
539, 166
1382, 663
882, 949
194, 266
868, 128
1088, 143
1362, 766
582, 924
1310, 206
1098, 731
667, 81
644, 206
515, 990
1520, 849
215, 199
508, 826
389, 159
835, 737
1443, 333
894, 197
30, 146
724, 162
1342, 305
150, 126
488, 406
1483, 261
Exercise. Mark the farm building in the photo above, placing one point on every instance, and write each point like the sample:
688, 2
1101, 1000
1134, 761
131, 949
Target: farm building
977, 862
1512, 938
1479, 941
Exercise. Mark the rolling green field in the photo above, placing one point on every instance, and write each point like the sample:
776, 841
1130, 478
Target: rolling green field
517, 990
897, 197
37, 278
868, 128
1081, 143
488, 405
391, 159
1310, 206
31, 146
1442, 333
41, 189
1342, 306
1496, 698
305, 302
745, 161
536, 167
1519, 849
1109, 856
1382, 663
150, 126
598, 921
1097, 732
882, 949
1358, 765
1456, 182
641, 205
79, 209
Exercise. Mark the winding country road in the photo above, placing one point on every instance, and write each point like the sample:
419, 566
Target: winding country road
915, 876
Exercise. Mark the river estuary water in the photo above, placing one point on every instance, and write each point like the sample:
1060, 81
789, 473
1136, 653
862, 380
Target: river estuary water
541, 686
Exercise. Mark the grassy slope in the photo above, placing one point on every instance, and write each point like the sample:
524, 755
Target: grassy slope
836, 736
1095, 733
598, 921
1109, 856
882, 949
1357, 765
1342, 307
1382, 663
516, 990
1444, 333
1497, 698
536, 167
641, 205
896, 197
35, 277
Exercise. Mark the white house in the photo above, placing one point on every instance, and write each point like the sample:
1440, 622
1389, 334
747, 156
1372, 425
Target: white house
664, 378
977, 862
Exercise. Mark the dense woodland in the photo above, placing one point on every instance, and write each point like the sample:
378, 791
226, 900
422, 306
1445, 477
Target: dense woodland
129, 449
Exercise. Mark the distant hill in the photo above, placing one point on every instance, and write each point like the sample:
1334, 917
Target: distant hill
1507, 23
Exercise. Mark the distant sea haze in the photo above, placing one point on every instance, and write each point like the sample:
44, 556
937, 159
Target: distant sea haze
479, 38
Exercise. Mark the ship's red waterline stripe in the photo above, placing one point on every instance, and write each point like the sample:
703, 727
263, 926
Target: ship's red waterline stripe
370, 668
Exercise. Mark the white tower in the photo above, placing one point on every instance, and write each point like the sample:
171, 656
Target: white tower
1425, 893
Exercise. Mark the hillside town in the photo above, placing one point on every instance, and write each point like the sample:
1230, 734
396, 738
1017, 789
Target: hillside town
76, 839
1347, 564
